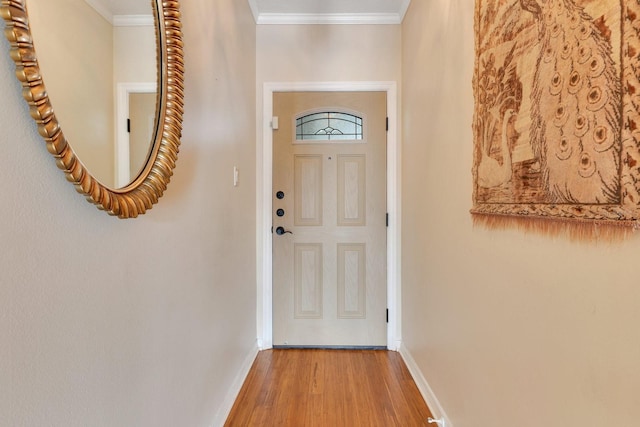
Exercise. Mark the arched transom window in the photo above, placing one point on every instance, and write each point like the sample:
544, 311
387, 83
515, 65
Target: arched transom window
328, 126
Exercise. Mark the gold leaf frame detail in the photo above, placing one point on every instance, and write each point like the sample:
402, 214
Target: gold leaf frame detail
140, 195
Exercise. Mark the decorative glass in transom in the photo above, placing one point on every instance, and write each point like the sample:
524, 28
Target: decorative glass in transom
328, 126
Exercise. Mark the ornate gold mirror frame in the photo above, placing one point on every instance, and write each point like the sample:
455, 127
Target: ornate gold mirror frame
148, 187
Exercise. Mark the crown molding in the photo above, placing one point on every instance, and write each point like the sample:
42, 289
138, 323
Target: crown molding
329, 18
133, 21
103, 9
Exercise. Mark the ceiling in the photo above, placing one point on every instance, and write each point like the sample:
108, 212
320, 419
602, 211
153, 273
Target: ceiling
129, 7
329, 11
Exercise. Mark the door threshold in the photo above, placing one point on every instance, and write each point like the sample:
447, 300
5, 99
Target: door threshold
330, 347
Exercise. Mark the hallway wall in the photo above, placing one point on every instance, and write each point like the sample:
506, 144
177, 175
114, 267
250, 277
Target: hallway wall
143, 322
321, 53
508, 328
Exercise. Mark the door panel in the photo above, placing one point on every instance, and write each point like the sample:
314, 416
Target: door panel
308, 189
308, 281
351, 190
352, 281
329, 257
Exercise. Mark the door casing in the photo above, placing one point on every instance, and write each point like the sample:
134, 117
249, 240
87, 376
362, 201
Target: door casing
122, 176
264, 184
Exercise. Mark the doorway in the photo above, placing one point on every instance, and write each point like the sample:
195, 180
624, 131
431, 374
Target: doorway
329, 201
265, 206
135, 103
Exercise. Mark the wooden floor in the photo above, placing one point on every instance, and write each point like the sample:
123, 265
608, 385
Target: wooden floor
351, 388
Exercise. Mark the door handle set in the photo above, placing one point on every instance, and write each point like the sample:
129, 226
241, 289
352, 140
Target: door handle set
280, 212
280, 231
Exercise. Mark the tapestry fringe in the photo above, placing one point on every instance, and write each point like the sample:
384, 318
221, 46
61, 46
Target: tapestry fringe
574, 229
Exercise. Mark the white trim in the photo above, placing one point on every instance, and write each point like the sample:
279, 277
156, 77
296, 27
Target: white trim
122, 160
133, 21
225, 409
264, 183
266, 18
104, 10
328, 18
427, 392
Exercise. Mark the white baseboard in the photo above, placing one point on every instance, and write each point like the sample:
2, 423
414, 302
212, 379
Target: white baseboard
234, 390
423, 386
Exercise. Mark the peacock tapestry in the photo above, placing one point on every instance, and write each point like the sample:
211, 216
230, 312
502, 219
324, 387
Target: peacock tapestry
557, 98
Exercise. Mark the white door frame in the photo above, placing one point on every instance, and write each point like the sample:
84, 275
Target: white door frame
122, 162
264, 177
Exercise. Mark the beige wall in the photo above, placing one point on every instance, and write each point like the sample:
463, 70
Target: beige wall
509, 329
326, 53
136, 66
134, 54
73, 34
144, 322
290, 53
321, 53
148, 321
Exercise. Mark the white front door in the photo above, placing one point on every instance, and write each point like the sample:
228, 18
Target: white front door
329, 219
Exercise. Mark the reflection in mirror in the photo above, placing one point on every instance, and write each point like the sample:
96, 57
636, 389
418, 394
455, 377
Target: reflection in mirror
78, 60
142, 123
135, 124
97, 56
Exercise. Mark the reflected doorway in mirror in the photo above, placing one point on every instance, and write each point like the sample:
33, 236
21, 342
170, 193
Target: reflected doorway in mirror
134, 129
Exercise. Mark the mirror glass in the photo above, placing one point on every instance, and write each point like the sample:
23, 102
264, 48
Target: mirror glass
99, 62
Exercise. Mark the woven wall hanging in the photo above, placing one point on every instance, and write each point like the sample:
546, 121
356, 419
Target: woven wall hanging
556, 119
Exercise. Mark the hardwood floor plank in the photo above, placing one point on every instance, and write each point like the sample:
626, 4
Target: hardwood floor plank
316, 388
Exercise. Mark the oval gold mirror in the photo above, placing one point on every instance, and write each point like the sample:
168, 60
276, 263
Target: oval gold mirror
123, 190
